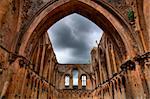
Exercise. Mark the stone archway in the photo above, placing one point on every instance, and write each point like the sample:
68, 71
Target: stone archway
111, 24
34, 76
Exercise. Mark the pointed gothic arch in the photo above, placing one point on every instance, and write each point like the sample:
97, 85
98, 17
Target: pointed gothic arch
102, 14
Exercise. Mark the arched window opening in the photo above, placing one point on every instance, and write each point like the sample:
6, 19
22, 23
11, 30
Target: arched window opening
67, 81
75, 78
83, 78
81, 34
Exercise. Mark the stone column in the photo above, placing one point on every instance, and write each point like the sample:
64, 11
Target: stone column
42, 59
28, 90
79, 83
6, 84
113, 59
135, 84
36, 91
71, 81
96, 77
33, 85
147, 76
23, 83
108, 63
100, 67
37, 58
10, 84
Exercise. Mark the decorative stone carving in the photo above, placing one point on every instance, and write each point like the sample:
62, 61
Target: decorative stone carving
125, 8
30, 7
23, 63
143, 59
26, 6
120, 5
129, 65
12, 57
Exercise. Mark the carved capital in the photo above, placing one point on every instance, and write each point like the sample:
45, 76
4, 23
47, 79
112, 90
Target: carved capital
23, 63
129, 65
143, 59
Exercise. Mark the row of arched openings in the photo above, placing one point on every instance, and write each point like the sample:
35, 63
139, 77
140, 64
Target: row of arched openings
75, 80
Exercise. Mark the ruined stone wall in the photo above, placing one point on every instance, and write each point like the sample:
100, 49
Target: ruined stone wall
69, 92
117, 69
29, 78
117, 76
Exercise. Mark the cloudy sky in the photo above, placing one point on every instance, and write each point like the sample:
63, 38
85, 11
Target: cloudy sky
73, 37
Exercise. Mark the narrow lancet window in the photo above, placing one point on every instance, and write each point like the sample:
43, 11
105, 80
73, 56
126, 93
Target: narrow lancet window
67, 81
75, 78
84, 81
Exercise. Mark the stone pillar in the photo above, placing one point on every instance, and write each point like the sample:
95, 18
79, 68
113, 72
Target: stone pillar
145, 76
96, 77
135, 84
71, 81
10, 85
42, 59
100, 67
37, 58
35, 89
113, 59
123, 91
23, 83
111, 88
80, 83
6, 84
33, 85
27, 88
108, 63
88, 85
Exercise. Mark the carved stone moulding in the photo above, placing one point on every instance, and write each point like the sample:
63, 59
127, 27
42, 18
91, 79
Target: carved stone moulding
128, 65
142, 59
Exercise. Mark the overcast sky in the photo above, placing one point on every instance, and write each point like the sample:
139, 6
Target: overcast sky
73, 37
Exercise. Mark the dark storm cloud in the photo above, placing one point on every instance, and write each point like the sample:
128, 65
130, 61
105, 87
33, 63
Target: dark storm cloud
74, 36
